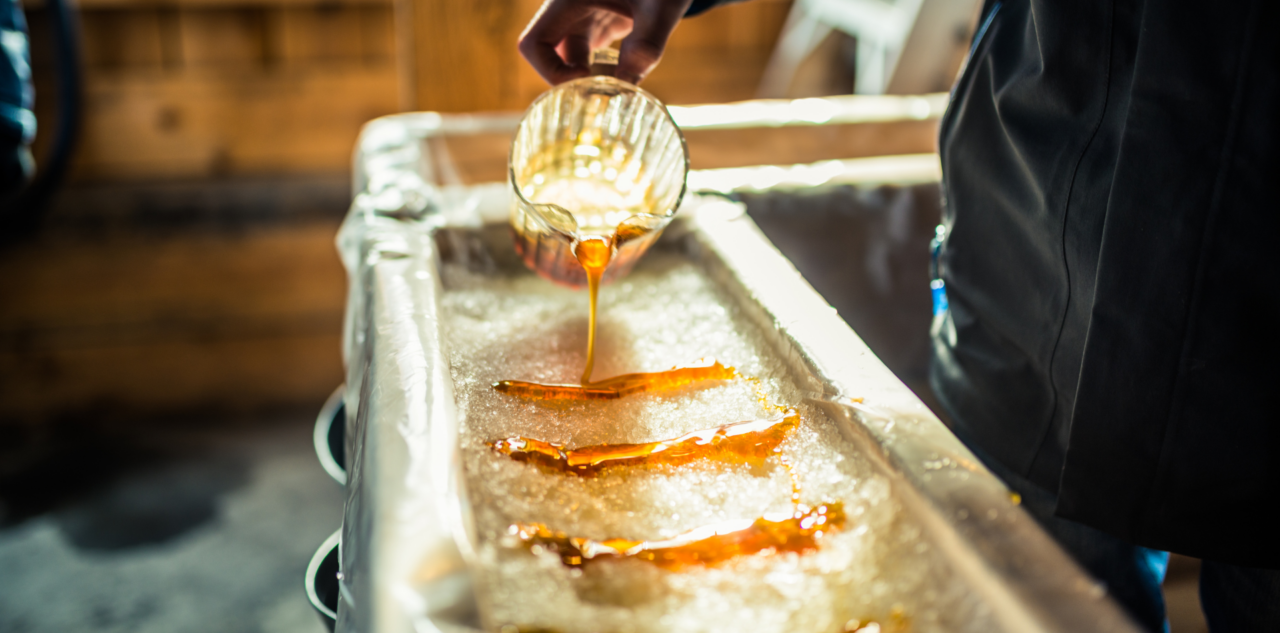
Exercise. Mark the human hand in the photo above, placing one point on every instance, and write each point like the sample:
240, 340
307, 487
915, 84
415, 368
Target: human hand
559, 40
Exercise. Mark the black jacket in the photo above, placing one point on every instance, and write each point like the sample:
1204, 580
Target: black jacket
1110, 180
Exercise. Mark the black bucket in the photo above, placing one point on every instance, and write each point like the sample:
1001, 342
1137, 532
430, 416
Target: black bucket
322, 581
330, 434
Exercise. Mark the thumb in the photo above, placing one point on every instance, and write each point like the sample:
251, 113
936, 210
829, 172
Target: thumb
652, 24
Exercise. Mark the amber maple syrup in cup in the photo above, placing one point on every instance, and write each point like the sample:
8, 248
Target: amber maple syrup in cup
598, 168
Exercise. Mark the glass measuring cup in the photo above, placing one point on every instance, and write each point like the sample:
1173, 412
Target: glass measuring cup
597, 161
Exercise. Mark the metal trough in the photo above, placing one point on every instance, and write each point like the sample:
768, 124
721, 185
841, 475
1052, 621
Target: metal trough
408, 538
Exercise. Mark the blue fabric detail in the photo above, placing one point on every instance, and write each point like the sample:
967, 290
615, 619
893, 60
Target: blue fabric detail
936, 284
17, 120
939, 289
18, 123
16, 93
982, 30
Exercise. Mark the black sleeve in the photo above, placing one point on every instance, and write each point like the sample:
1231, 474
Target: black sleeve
701, 6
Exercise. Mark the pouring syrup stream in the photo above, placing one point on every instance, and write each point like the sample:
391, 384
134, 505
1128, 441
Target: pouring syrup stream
594, 253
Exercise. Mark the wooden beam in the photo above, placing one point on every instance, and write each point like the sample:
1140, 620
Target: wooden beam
200, 124
211, 91
155, 323
463, 54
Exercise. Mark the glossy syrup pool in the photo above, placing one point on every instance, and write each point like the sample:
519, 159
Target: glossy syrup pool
750, 442
502, 322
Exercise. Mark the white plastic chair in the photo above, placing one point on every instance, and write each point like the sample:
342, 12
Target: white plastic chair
904, 46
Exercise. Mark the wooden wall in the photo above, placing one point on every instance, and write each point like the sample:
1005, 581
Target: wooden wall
213, 88
138, 324
196, 299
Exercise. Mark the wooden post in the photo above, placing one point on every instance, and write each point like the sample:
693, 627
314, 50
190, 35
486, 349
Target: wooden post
463, 55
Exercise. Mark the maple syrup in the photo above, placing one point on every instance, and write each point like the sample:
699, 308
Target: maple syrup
749, 442
798, 532
587, 222
587, 208
593, 253
573, 191
618, 386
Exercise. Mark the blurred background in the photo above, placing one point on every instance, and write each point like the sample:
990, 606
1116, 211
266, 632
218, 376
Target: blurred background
186, 263
171, 303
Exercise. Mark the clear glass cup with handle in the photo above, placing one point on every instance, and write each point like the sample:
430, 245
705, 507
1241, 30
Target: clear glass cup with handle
595, 159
